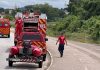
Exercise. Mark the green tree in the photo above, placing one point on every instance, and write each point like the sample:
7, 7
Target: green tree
1, 10
52, 13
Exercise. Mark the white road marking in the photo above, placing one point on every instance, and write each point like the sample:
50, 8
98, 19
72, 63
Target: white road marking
51, 60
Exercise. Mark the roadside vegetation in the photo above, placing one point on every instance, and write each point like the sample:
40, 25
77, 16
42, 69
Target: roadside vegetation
81, 24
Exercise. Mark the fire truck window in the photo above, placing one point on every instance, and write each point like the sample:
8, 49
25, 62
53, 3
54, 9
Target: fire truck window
30, 24
31, 37
5, 24
0, 24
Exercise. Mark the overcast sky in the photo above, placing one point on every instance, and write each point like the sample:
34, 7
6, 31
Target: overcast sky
21, 3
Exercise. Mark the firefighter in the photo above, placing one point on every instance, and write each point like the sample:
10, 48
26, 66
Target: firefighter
62, 40
18, 25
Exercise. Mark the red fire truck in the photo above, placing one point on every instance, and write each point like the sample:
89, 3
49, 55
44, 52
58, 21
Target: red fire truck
4, 27
30, 44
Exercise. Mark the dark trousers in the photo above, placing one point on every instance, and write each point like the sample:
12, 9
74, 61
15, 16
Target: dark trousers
61, 49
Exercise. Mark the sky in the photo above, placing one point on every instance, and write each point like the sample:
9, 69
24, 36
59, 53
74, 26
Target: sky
22, 3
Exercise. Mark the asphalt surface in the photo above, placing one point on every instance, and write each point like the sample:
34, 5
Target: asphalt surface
77, 56
5, 44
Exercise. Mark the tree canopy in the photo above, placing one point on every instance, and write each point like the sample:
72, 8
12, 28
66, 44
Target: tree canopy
52, 13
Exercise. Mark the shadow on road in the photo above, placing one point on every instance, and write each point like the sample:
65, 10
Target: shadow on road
21, 66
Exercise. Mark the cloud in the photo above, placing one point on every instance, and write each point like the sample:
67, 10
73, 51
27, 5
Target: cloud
21, 3
4, 2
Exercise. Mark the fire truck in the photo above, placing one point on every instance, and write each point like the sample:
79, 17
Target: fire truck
30, 44
4, 27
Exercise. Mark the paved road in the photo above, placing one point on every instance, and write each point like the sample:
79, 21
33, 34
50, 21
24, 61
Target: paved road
5, 44
77, 56
92, 47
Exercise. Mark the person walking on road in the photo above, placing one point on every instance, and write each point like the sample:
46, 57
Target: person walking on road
62, 40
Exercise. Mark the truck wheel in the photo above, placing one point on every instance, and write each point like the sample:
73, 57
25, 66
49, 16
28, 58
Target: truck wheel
44, 57
8, 35
10, 63
40, 64
15, 43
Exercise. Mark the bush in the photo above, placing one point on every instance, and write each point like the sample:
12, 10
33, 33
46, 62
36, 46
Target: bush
92, 26
9, 17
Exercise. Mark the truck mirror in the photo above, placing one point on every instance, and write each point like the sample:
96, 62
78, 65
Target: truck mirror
46, 39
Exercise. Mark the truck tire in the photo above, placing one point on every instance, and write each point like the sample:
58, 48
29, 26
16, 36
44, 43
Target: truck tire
8, 35
10, 63
44, 57
40, 64
15, 43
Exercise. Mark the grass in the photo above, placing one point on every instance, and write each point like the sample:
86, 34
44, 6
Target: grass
80, 37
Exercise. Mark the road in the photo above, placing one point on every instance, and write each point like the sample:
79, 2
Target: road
5, 44
77, 56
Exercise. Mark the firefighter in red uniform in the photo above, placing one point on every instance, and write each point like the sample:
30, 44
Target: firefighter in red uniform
62, 41
18, 25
